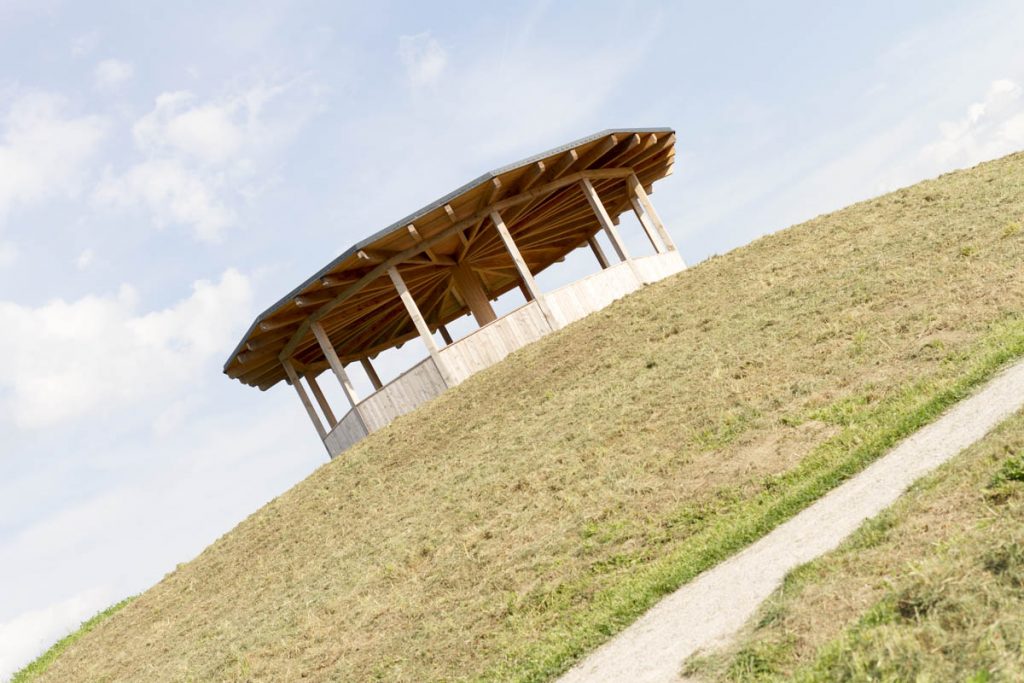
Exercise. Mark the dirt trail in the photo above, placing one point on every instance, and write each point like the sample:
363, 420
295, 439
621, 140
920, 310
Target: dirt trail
712, 607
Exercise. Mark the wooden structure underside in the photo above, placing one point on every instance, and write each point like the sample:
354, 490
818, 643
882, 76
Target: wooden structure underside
450, 254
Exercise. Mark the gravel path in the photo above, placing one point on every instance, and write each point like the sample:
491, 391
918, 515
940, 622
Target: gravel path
712, 607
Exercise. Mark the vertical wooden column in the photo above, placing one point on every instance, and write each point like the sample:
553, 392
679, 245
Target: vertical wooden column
445, 334
639, 196
371, 373
293, 377
648, 226
604, 219
332, 359
420, 323
467, 282
325, 407
595, 247
524, 272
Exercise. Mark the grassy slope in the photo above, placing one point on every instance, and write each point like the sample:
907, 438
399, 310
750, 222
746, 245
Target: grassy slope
932, 589
34, 669
515, 522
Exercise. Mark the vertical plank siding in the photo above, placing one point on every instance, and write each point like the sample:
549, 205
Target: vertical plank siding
659, 266
581, 298
490, 344
349, 431
415, 386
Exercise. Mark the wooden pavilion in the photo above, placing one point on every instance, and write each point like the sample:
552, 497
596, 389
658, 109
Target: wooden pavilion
452, 258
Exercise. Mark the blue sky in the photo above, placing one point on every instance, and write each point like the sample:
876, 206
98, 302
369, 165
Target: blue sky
166, 172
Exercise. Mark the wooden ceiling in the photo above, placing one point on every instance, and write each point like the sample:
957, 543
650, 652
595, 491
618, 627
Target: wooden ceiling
539, 199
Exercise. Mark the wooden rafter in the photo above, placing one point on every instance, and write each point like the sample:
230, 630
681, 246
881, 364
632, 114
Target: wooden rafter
542, 208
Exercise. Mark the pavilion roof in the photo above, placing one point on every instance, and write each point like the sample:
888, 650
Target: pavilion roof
540, 201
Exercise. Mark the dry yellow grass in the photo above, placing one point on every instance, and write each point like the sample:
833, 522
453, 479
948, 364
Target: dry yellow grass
515, 522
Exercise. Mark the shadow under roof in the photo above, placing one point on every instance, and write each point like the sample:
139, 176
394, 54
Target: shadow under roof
649, 152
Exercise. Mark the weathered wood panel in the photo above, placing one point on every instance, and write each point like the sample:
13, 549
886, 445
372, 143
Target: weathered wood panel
659, 266
345, 434
490, 344
592, 293
417, 385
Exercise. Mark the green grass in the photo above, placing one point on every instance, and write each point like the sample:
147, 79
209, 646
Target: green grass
508, 527
931, 589
870, 434
40, 664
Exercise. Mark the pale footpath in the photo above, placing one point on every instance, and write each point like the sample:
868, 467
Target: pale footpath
714, 606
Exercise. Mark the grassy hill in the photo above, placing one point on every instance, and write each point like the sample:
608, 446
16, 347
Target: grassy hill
932, 589
506, 528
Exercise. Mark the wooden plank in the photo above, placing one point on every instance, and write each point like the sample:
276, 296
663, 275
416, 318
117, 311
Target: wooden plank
467, 282
325, 407
371, 372
339, 281
524, 272
283, 321
637, 190
381, 268
369, 311
417, 238
554, 173
602, 216
492, 196
646, 224
563, 164
455, 220
293, 377
595, 247
598, 150
444, 334
531, 176
313, 299
419, 322
339, 370
263, 341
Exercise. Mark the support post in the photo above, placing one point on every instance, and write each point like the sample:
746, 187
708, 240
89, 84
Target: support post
325, 407
525, 292
524, 272
445, 335
636, 191
293, 377
468, 284
420, 323
647, 225
602, 217
339, 370
371, 373
595, 247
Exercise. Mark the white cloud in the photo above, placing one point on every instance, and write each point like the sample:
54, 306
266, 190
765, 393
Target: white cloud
990, 128
26, 635
211, 133
111, 73
85, 259
43, 154
423, 57
173, 193
67, 359
199, 156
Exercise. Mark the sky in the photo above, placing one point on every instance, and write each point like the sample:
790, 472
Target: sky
167, 171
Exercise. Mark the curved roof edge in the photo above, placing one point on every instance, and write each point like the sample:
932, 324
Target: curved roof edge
411, 218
